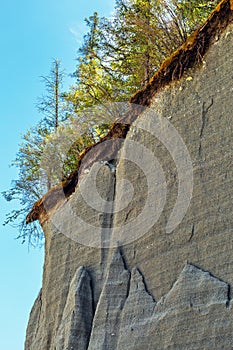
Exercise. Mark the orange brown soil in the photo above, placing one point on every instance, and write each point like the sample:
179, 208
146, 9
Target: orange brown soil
172, 69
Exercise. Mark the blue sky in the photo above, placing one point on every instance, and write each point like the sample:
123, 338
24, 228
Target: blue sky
32, 34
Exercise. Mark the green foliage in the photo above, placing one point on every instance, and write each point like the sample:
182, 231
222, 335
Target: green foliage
93, 85
32, 180
28, 188
142, 33
121, 54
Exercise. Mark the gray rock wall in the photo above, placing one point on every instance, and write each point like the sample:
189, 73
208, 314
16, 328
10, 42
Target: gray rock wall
161, 290
201, 111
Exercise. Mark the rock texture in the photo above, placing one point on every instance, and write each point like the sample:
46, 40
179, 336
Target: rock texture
136, 315
195, 314
160, 290
111, 302
181, 319
75, 327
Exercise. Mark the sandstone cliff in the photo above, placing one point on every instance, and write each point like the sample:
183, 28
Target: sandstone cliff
110, 285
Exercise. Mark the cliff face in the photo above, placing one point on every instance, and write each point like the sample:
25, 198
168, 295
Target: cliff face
110, 288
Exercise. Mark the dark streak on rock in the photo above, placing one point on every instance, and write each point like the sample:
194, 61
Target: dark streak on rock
192, 233
145, 286
205, 111
229, 297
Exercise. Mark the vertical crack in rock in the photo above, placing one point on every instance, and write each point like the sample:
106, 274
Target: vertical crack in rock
107, 217
205, 111
106, 321
192, 233
136, 314
228, 302
75, 328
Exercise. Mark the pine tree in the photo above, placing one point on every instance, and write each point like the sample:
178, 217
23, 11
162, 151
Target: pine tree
92, 83
51, 104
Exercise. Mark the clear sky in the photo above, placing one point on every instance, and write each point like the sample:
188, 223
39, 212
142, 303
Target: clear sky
32, 34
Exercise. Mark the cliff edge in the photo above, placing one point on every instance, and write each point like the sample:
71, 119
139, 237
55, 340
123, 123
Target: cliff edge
162, 281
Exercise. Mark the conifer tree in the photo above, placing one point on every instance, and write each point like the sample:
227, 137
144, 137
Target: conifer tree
51, 104
92, 83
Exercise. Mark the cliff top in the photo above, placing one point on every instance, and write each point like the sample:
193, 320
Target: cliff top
172, 69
